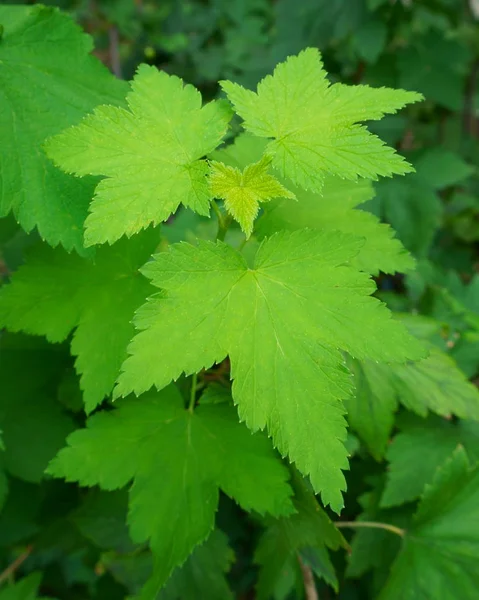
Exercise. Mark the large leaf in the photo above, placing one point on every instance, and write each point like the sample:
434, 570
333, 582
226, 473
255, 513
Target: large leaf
150, 154
335, 209
314, 125
48, 81
178, 461
55, 292
282, 323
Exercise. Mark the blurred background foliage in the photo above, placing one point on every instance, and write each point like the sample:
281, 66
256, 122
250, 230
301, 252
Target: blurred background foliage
78, 537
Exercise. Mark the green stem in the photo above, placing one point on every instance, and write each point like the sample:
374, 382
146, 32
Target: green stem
224, 221
194, 381
223, 228
371, 525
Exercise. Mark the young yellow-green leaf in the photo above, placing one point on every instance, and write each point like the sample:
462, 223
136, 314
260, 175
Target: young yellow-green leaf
314, 124
336, 208
48, 81
283, 324
178, 461
149, 154
242, 191
440, 552
55, 292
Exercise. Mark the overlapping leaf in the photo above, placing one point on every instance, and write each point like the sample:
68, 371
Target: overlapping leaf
48, 81
433, 440
55, 292
302, 536
34, 426
149, 154
336, 208
178, 461
440, 551
314, 125
242, 191
433, 384
282, 324
204, 573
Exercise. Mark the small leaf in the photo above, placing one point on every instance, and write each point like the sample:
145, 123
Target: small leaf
243, 191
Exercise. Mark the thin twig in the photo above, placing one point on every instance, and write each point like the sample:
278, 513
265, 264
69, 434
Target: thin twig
10, 570
309, 586
371, 525
115, 62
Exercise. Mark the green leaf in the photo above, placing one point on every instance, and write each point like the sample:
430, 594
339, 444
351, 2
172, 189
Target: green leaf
48, 81
372, 406
55, 292
310, 531
25, 589
101, 518
433, 384
282, 323
433, 440
441, 550
440, 168
242, 191
334, 209
33, 424
149, 154
314, 125
413, 209
437, 67
373, 548
203, 574
178, 460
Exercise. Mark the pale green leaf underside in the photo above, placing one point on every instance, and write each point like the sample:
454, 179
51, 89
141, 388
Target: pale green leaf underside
334, 209
314, 125
150, 154
54, 292
242, 191
440, 553
283, 324
177, 461
48, 81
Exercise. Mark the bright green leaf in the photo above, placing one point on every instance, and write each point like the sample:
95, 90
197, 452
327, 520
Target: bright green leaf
55, 292
314, 125
282, 323
334, 209
48, 81
242, 191
149, 154
177, 460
